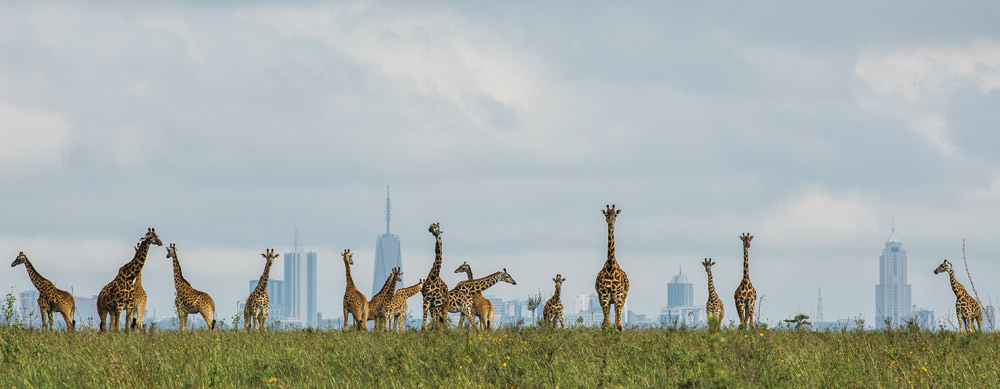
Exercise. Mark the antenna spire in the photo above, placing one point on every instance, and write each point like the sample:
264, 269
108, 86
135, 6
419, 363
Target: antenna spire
892, 231
295, 245
388, 210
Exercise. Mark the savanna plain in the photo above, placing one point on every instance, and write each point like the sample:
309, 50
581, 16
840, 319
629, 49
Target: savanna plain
511, 357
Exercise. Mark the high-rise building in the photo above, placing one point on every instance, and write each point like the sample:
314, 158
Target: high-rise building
300, 287
892, 294
680, 292
310, 297
293, 285
387, 252
924, 318
86, 312
29, 308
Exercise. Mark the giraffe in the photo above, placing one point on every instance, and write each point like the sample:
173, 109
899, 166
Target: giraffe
378, 305
256, 308
397, 306
460, 298
188, 299
138, 309
354, 301
553, 311
612, 282
966, 308
714, 305
50, 298
482, 307
119, 294
435, 290
745, 294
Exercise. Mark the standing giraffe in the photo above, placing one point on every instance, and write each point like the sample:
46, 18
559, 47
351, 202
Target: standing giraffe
481, 306
188, 299
355, 302
378, 305
50, 298
435, 291
138, 309
119, 294
745, 294
553, 311
460, 298
966, 308
714, 305
256, 308
612, 282
397, 306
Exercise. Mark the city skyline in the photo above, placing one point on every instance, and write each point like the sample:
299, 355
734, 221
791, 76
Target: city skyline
226, 127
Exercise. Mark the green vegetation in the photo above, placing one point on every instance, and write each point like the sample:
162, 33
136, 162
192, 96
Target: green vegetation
518, 357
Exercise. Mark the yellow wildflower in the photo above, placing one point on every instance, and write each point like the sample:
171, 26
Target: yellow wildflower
272, 380
925, 369
505, 364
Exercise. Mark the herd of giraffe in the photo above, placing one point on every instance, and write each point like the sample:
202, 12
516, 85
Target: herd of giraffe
387, 308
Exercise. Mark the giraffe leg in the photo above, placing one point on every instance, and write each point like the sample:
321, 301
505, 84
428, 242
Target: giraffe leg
750, 309
618, 316
115, 316
246, 320
345, 318
68, 318
208, 315
44, 316
562, 321
263, 319
182, 317
606, 307
52, 320
423, 324
102, 313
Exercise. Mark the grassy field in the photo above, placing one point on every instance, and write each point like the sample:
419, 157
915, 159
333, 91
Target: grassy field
530, 357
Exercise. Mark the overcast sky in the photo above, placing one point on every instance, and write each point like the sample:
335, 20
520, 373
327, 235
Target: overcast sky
227, 126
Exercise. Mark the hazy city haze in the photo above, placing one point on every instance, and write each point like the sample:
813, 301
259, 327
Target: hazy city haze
227, 126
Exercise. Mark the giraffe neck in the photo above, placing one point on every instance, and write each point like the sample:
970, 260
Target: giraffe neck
746, 262
468, 272
407, 292
558, 293
132, 269
435, 272
262, 282
36, 279
179, 281
390, 286
955, 286
484, 283
711, 287
350, 281
138, 280
611, 263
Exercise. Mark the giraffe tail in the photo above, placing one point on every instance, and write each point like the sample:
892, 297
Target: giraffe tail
73, 327
135, 323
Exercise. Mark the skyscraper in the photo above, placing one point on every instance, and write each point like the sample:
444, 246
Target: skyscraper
29, 307
892, 294
680, 292
387, 255
299, 299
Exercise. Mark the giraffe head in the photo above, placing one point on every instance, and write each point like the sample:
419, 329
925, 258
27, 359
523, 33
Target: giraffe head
708, 264
348, 257
420, 283
151, 237
21, 258
610, 213
269, 255
945, 267
558, 280
465, 268
171, 251
397, 273
746, 238
507, 278
435, 229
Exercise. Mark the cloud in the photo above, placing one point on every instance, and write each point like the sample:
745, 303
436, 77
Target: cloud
818, 220
34, 139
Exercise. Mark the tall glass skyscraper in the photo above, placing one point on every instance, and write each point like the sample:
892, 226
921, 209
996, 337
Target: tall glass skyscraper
680, 292
300, 286
892, 294
387, 255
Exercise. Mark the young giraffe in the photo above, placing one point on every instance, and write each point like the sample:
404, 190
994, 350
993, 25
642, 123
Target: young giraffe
378, 305
612, 282
354, 301
460, 298
435, 290
256, 308
188, 299
50, 298
745, 294
397, 306
966, 307
482, 307
138, 310
119, 294
714, 305
554, 308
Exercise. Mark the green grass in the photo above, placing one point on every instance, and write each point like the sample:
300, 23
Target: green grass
581, 357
